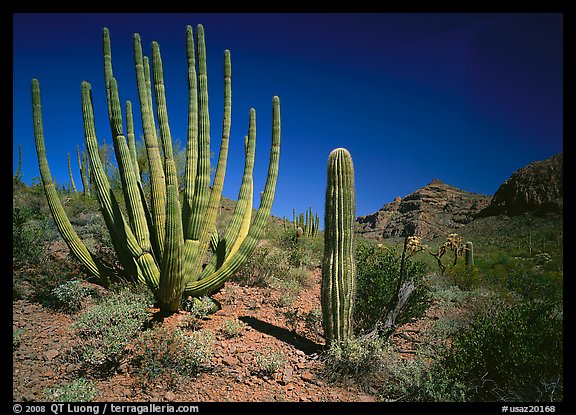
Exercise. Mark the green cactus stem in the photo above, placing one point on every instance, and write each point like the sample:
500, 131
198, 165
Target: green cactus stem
469, 254
338, 287
164, 244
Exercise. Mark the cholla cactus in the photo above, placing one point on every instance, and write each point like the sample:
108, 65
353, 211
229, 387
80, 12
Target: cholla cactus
415, 245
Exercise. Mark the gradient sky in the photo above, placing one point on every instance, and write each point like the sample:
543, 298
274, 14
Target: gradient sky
464, 98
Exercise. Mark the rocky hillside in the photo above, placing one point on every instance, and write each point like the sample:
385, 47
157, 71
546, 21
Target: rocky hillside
535, 187
436, 209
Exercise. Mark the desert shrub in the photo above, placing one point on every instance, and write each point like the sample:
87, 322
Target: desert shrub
106, 328
289, 290
510, 353
526, 277
266, 264
79, 390
313, 321
231, 327
358, 358
306, 251
168, 352
17, 337
29, 229
463, 276
71, 296
378, 272
417, 379
200, 307
270, 361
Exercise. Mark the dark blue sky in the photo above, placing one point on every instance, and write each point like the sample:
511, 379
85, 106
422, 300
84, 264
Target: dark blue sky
464, 98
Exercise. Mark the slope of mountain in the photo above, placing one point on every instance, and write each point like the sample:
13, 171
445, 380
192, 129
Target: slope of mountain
535, 187
434, 210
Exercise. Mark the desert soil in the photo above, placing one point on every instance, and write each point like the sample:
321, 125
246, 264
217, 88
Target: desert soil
40, 362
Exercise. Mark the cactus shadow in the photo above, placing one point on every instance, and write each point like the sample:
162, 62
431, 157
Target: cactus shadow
282, 334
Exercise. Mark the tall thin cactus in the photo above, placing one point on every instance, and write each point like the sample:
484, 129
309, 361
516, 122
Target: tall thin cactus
72, 184
164, 244
18, 176
338, 287
469, 254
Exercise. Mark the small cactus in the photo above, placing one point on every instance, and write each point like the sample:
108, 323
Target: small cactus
299, 232
339, 266
469, 254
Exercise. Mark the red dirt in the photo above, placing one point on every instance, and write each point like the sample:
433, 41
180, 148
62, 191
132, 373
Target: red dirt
39, 361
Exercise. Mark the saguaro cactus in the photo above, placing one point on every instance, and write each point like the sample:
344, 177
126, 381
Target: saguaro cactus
469, 255
164, 245
339, 267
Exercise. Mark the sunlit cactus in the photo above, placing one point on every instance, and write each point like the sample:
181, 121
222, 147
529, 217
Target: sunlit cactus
469, 254
164, 244
339, 266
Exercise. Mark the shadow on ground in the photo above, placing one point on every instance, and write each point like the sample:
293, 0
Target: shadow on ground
282, 334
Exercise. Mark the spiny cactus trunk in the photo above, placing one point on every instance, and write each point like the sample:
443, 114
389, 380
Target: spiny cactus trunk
469, 254
339, 267
164, 245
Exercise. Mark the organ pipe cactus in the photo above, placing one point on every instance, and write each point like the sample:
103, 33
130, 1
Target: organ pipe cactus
164, 244
338, 287
72, 184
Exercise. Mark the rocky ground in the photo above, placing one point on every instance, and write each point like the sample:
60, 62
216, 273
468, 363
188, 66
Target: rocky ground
40, 362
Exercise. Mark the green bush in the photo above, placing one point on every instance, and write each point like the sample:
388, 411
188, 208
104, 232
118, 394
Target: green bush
106, 328
465, 277
231, 327
29, 228
306, 251
71, 296
378, 271
359, 358
79, 390
17, 337
270, 361
264, 266
169, 352
510, 353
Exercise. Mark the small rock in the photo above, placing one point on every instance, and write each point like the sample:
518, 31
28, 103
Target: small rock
307, 377
366, 398
230, 361
170, 396
287, 376
51, 354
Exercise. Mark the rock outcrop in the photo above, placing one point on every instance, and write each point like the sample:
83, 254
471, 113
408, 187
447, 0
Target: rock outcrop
436, 209
537, 187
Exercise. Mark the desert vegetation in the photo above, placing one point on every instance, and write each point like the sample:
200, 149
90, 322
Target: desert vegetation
158, 280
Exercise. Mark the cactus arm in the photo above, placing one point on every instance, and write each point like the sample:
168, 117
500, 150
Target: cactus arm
70, 173
131, 139
125, 244
202, 179
209, 222
339, 268
192, 139
215, 280
157, 177
64, 226
240, 222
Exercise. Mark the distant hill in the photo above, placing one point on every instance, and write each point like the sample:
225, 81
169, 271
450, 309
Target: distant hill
436, 209
537, 187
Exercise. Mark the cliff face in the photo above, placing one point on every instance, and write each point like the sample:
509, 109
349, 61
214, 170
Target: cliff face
436, 209
535, 187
